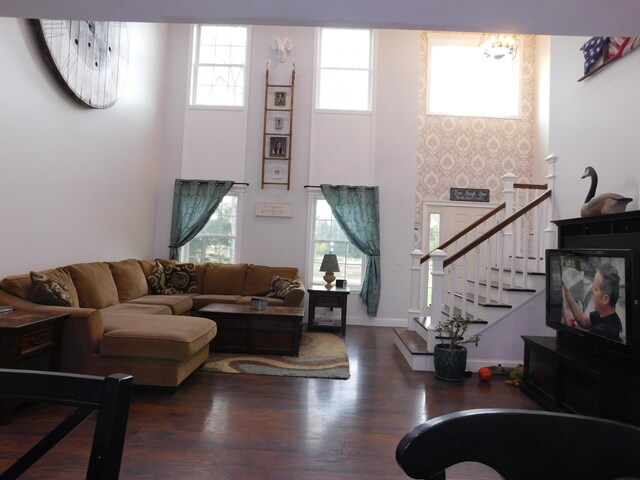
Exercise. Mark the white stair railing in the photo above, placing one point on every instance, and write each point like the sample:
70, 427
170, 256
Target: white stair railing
521, 232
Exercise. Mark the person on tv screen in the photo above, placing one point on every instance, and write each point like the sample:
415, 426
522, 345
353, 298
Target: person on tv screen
603, 320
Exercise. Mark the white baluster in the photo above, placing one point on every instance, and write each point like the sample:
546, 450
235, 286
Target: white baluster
508, 194
416, 271
525, 253
550, 232
437, 292
476, 280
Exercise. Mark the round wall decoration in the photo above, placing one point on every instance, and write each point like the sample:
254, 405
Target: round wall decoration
89, 58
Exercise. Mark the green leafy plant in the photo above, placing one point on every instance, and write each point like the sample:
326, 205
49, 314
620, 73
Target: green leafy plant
452, 330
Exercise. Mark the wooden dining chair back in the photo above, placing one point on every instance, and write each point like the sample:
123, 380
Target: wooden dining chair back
522, 445
108, 396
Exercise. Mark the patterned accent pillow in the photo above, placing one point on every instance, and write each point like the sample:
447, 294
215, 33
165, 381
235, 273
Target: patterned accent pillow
46, 291
180, 278
157, 279
280, 286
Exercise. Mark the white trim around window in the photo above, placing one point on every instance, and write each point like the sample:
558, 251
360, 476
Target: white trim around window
461, 81
227, 65
344, 70
237, 192
341, 245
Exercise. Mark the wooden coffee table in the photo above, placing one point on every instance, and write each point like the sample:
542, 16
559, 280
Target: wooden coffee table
242, 329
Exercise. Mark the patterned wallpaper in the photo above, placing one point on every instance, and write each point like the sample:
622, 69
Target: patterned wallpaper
472, 152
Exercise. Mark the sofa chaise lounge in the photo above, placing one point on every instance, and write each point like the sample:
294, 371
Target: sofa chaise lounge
140, 316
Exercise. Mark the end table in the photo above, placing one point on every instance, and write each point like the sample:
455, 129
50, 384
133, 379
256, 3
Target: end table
26, 335
319, 296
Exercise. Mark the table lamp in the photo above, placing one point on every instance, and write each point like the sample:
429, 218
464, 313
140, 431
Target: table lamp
329, 266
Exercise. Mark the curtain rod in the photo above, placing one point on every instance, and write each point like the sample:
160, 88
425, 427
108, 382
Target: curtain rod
349, 187
218, 182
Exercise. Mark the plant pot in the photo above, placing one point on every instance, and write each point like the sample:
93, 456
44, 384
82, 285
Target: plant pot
450, 364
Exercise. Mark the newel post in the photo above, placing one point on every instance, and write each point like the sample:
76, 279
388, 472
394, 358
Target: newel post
414, 305
550, 233
437, 291
509, 197
508, 194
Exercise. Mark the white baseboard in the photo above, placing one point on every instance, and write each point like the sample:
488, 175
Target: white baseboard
378, 322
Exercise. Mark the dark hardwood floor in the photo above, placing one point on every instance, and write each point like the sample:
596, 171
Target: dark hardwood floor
246, 427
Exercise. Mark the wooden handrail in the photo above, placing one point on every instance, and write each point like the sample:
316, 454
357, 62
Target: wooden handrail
530, 186
465, 230
490, 233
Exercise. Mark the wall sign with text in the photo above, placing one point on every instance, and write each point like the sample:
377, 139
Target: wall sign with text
469, 194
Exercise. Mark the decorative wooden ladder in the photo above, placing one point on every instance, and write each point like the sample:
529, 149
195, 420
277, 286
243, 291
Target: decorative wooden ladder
496, 266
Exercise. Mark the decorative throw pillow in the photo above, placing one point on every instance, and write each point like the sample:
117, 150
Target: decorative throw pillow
47, 291
157, 279
180, 278
280, 286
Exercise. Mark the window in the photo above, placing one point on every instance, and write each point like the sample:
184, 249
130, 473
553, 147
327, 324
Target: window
219, 65
216, 242
462, 81
328, 237
344, 69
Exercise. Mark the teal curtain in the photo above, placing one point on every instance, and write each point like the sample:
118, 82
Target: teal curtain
357, 211
194, 201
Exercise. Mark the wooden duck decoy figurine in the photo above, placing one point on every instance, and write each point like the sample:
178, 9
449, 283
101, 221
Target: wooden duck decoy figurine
603, 204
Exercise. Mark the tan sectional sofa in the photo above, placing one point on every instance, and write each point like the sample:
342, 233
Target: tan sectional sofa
118, 323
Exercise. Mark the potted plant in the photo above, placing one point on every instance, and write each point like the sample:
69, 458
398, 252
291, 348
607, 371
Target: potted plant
450, 357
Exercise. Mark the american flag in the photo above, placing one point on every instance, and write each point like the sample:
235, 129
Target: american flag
619, 46
592, 51
600, 49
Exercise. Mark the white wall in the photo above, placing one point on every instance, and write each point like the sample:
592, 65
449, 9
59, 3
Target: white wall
175, 90
541, 133
396, 146
501, 343
372, 149
77, 184
593, 122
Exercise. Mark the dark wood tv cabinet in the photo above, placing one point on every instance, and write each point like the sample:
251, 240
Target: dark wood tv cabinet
568, 374
565, 377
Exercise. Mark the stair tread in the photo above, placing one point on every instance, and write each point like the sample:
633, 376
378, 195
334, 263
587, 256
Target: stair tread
508, 270
422, 321
414, 342
505, 286
457, 311
483, 301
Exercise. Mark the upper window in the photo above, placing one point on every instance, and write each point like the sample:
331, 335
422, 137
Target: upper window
463, 81
344, 69
219, 66
216, 242
328, 237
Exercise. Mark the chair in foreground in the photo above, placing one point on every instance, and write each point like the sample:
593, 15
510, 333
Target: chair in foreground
522, 445
109, 396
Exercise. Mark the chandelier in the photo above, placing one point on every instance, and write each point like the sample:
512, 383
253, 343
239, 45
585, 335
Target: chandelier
499, 45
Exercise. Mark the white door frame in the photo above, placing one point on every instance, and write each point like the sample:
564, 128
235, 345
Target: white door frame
438, 206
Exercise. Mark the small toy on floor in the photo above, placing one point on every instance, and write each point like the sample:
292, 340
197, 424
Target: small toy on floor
485, 374
515, 377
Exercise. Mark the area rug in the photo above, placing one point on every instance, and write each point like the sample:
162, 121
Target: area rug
322, 355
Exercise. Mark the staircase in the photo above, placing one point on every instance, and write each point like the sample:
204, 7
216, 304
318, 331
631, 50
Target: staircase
481, 273
416, 341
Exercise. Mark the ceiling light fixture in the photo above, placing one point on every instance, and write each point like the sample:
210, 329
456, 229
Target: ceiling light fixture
499, 45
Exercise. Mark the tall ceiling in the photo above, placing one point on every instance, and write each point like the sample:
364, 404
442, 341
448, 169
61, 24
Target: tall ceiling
553, 17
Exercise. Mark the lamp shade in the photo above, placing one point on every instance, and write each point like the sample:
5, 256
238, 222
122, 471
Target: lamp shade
330, 263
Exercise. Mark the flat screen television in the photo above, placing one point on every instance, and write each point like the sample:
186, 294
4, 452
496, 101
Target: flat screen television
591, 298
